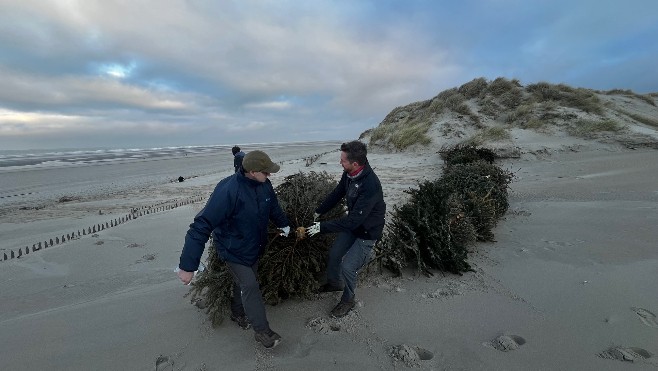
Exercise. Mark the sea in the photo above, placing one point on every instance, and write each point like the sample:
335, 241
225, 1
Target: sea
32, 175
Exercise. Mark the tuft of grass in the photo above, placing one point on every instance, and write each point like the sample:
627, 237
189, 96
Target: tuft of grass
410, 135
366, 133
501, 85
639, 118
463, 109
490, 108
474, 88
381, 132
645, 97
511, 98
447, 93
534, 123
587, 128
583, 99
453, 101
490, 134
520, 113
544, 91
437, 106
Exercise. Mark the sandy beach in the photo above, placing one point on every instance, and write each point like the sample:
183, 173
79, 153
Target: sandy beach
569, 284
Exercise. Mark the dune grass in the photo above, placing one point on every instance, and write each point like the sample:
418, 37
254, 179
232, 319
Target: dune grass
647, 98
490, 134
587, 128
639, 118
583, 99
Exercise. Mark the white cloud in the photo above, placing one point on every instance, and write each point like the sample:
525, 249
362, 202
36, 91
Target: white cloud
276, 105
269, 69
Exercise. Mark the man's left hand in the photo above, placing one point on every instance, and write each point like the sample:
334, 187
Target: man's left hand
314, 229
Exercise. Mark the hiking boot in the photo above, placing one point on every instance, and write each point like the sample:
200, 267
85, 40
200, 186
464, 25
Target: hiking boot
342, 309
268, 338
327, 287
242, 321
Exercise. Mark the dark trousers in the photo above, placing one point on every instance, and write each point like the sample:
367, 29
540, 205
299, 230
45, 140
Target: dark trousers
347, 255
247, 298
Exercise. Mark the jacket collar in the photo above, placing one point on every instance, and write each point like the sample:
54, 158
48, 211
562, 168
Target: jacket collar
365, 171
243, 179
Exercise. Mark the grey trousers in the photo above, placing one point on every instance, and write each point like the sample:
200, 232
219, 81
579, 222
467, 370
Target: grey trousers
247, 298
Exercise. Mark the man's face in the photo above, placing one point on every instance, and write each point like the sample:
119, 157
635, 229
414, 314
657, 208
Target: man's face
346, 164
260, 176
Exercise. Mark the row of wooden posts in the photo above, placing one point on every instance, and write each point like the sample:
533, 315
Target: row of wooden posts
133, 214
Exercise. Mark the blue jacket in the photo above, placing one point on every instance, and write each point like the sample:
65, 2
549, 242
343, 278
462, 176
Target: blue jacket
365, 205
237, 214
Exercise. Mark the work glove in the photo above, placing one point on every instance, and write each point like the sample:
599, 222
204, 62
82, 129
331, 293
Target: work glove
314, 229
284, 231
315, 217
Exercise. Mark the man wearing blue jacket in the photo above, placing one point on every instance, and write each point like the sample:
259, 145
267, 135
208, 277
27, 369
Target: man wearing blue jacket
358, 230
237, 215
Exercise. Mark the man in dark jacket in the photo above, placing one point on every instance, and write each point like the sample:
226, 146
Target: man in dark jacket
237, 214
358, 230
238, 156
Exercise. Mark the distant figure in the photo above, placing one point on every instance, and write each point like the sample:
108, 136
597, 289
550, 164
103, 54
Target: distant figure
238, 155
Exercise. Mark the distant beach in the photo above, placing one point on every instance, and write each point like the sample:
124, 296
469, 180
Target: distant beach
39, 175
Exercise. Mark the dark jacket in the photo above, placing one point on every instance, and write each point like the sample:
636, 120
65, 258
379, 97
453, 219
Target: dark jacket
237, 214
365, 205
237, 160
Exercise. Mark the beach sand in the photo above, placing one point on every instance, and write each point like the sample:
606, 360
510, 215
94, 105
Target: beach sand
569, 284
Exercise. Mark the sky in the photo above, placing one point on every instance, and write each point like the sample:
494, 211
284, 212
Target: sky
156, 73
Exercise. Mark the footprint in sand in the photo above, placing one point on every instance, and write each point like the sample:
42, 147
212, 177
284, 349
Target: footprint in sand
646, 317
625, 354
163, 363
505, 343
322, 326
146, 258
410, 355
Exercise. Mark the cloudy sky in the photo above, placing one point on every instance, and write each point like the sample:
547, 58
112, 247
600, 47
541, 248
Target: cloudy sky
150, 73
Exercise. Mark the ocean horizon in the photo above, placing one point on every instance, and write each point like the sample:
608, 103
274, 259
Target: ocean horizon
34, 177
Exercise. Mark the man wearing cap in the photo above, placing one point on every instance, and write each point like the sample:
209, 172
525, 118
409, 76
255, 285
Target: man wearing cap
358, 230
237, 214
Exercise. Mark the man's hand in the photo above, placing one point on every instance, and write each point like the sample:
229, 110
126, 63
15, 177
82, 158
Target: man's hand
185, 276
314, 229
315, 217
284, 231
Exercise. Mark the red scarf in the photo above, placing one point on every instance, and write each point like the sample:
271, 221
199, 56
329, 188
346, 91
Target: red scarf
356, 172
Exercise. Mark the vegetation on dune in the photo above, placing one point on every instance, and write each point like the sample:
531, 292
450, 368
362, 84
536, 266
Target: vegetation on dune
494, 133
583, 99
588, 128
629, 93
404, 127
639, 118
542, 106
